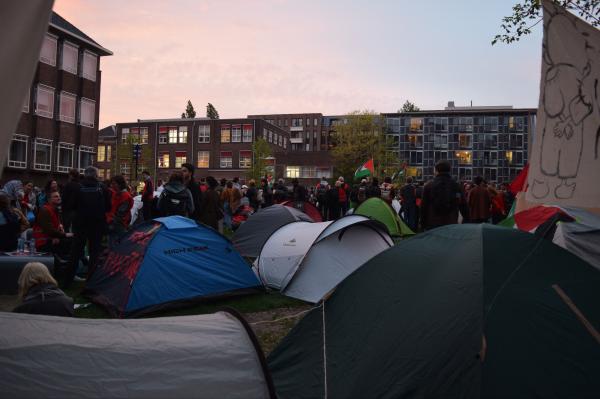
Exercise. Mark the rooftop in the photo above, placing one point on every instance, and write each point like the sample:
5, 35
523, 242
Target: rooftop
61, 24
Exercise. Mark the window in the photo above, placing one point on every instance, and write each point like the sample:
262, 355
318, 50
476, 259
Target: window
292, 172
414, 172
225, 134
465, 174
285, 122
44, 101
236, 133
441, 124
125, 135
284, 144
270, 136
490, 158
67, 107
416, 157
247, 134
48, 53
464, 157
264, 133
17, 155
64, 160
108, 153
226, 160
440, 141
163, 159
204, 134
490, 174
42, 156
516, 123
416, 124
86, 157
172, 134
101, 175
296, 122
125, 169
203, 159
465, 140
163, 137
465, 124
143, 135
491, 123
101, 153
516, 141
245, 159
491, 140
70, 58
307, 121
415, 141
440, 156
90, 65
180, 158
182, 135
307, 147
87, 112
514, 157
315, 122
27, 99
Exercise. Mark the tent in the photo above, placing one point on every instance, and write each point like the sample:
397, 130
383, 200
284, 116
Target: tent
306, 207
307, 260
378, 209
205, 356
165, 263
461, 311
250, 237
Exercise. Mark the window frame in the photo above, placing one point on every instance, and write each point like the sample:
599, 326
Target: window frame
418, 154
125, 134
180, 159
247, 133
49, 91
292, 168
61, 116
44, 143
460, 159
172, 134
182, 135
101, 153
223, 163
87, 150
245, 162
45, 60
204, 134
64, 147
236, 133
469, 135
13, 163
440, 146
161, 158
27, 101
207, 159
91, 102
70, 69
84, 74
225, 130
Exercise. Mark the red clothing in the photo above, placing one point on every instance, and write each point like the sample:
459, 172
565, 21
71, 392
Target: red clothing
148, 191
120, 207
47, 226
498, 207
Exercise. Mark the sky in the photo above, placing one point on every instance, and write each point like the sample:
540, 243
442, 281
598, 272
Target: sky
282, 56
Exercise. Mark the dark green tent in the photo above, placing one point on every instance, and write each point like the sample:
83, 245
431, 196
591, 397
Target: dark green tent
378, 209
410, 323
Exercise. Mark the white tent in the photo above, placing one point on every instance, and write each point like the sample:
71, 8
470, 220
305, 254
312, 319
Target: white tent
307, 260
205, 356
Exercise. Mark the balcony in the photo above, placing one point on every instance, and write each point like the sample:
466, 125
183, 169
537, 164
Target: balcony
296, 128
296, 140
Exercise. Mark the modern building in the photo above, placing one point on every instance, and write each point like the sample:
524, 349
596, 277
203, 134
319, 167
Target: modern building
59, 126
491, 142
217, 147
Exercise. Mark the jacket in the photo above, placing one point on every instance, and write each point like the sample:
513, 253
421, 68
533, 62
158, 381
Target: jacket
148, 191
119, 215
441, 200
480, 202
47, 225
211, 212
46, 299
69, 196
196, 197
179, 189
92, 202
9, 230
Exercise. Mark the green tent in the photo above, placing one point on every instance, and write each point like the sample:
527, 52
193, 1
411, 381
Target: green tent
412, 321
378, 209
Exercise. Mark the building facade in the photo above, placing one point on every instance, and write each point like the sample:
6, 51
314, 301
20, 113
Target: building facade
58, 128
491, 142
221, 148
106, 152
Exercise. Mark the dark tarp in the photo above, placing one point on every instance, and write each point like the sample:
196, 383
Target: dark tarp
250, 237
410, 322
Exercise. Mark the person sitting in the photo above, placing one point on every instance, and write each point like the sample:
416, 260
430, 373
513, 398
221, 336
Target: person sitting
12, 224
48, 230
40, 294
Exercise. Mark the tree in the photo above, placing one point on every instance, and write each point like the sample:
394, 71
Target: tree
528, 13
260, 151
125, 157
189, 111
361, 137
211, 112
409, 107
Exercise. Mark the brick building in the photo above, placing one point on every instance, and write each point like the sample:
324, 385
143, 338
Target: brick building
59, 125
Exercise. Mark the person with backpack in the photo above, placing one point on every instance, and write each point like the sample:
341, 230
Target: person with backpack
321, 194
388, 192
442, 198
119, 216
92, 201
408, 198
176, 198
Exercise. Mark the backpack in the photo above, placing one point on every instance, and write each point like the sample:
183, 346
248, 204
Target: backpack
444, 196
386, 190
362, 194
173, 203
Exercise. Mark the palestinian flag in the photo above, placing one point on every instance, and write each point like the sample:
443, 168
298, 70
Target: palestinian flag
365, 170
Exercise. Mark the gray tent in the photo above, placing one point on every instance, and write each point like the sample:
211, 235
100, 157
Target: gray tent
250, 237
206, 356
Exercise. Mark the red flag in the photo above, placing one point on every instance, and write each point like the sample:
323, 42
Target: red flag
520, 182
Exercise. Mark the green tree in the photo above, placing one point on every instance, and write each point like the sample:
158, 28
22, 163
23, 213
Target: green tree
361, 137
189, 111
125, 157
211, 112
528, 13
409, 107
260, 151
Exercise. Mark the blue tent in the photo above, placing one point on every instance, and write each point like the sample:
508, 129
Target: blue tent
168, 262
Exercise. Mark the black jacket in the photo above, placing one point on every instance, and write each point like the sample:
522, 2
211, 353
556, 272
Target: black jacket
69, 196
46, 299
91, 204
197, 197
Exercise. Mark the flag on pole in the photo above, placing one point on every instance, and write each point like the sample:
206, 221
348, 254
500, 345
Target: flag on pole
365, 170
520, 182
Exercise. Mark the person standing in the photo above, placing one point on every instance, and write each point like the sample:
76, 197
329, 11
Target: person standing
480, 202
187, 169
147, 195
211, 212
28, 200
68, 198
92, 203
267, 193
408, 198
388, 192
343, 195
333, 201
321, 193
442, 198
230, 200
252, 194
373, 190
119, 216
176, 198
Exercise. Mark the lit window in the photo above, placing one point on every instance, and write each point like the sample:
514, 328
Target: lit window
180, 158
509, 157
87, 112
225, 134
17, 156
514, 157
90, 65
172, 135
125, 169
143, 135
101, 153
65, 154
26, 102
48, 53
245, 159
204, 134
226, 160
415, 141
86, 157
44, 101
247, 134
163, 135
163, 160
108, 153
42, 155
101, 174
70, 58
183, 131
416, 124
67, 107
236, 133
292, 172
464, 157
203, 159
465, 140
125, 135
